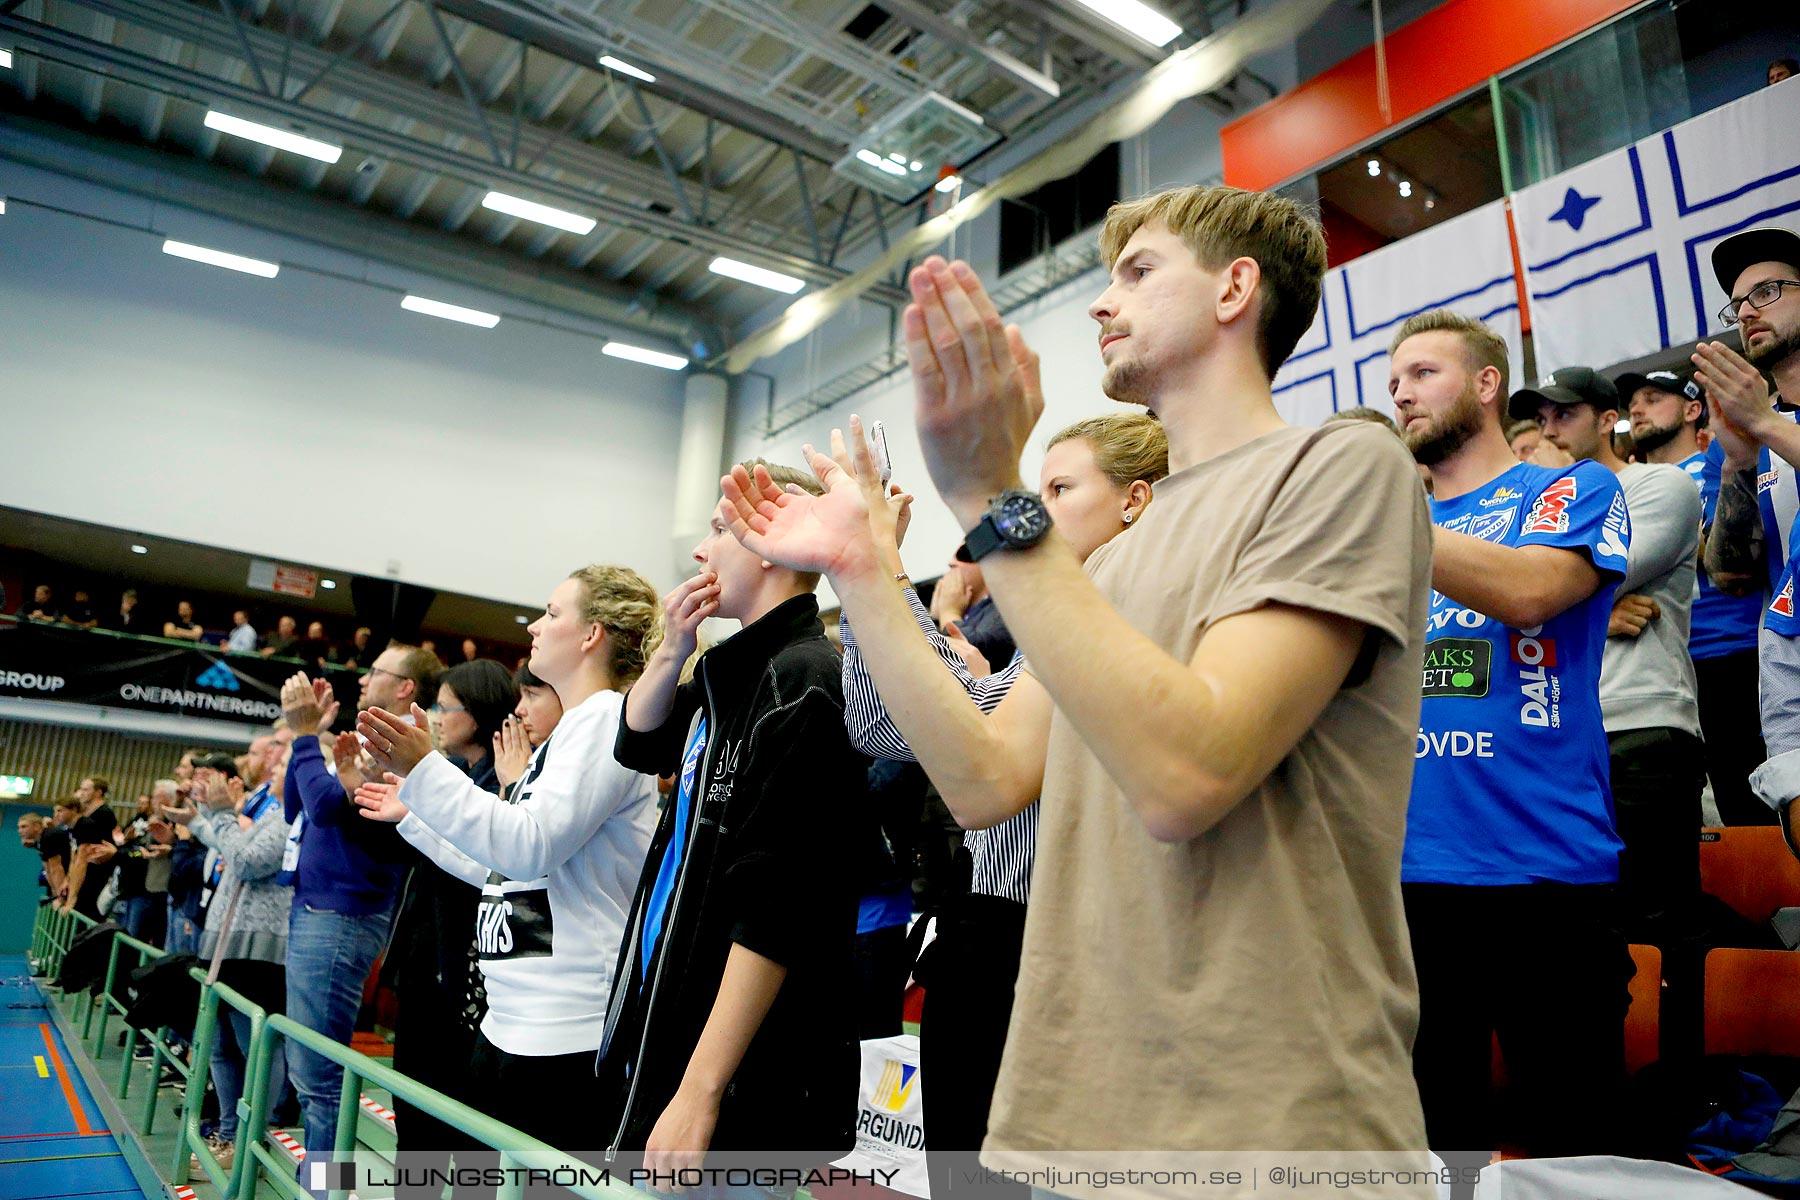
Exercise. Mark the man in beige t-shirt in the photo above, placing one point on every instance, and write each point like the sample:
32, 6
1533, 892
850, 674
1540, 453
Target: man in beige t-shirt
1220, 715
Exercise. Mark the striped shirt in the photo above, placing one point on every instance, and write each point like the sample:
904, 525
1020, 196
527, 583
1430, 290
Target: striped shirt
1002, 855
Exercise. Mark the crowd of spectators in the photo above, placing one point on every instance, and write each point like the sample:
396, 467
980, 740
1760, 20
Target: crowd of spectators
317, 645
1249, 797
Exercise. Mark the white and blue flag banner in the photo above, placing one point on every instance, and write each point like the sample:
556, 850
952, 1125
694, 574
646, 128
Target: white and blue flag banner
1464, 264
1617, 252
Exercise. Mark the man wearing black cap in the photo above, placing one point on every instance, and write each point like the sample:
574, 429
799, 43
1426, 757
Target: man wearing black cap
1752, 531
1647, 690
1510, 844
1668, 409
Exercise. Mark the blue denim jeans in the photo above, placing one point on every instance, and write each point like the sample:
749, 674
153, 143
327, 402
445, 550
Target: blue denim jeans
184, 934
231, 1050
328, 958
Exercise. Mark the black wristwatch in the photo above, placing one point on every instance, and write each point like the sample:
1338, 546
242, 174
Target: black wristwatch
1016, 520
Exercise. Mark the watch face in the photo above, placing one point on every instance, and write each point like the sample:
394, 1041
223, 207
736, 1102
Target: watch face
1021, 519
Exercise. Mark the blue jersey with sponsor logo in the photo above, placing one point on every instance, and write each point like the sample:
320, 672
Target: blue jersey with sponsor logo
1778, 496
1723, 624
1510, 783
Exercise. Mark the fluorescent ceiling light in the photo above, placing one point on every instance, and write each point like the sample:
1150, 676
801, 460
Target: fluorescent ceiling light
625, 68
5, 58
1622, 425
879, 163
949, 183
1137, 18
328, 584
268, 135
137, 549
450, 312
653, 358
522, 619
543, 214
218, 258
775, 281
2, 206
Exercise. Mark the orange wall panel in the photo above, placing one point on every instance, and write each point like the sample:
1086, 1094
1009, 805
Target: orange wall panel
1445, 52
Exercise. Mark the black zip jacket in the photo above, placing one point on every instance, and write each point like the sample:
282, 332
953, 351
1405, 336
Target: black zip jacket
779, 807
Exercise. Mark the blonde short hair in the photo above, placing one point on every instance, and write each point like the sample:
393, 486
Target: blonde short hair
1127, 446
623, 603
1482, 347
1219, 224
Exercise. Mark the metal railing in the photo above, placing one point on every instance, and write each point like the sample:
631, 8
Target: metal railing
255, 1161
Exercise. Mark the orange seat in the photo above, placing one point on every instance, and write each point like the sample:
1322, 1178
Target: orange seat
1750, 868
1752, 1002
1643, 1020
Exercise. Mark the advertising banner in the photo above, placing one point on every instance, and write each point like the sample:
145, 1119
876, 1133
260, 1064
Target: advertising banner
81, 666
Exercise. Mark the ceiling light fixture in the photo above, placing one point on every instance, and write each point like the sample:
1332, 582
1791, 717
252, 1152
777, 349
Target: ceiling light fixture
5, 59
136, 548
543, 214
949, 183
1136, 18
1374, 168
651, 358
218, 258
522, 619
1405, 189
775, 281
625, 68
2, 206
1622, 425
268, 135
450, 312
883, 164
1430, 203
328, 584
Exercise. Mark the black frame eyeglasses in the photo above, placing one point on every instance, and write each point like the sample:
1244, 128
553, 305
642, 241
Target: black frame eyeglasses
1769, 290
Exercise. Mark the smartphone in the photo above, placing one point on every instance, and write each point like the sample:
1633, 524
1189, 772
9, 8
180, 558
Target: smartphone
878, 447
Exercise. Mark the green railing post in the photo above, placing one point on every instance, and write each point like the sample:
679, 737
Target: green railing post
112, 972
253, 1105
206, 1020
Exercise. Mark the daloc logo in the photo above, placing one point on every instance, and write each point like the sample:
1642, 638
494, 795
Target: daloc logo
219, 677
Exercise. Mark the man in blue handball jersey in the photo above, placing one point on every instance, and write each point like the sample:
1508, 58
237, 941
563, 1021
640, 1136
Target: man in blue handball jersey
1667, 411
1759, 490
1511, 853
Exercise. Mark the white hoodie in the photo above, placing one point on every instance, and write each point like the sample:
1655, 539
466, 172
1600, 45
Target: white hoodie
556, 863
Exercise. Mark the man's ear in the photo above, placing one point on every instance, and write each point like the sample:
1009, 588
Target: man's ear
1237, 290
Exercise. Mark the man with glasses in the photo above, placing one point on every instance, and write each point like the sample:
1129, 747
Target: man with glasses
345, 871
1759, 496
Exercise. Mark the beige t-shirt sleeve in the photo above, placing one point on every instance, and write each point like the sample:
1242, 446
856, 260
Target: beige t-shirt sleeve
1340, 535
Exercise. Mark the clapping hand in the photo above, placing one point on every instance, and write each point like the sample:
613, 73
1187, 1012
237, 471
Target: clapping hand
381, 801
975, 384
512, 752
308, 704
180, 814
393, 744
1736, 395
346, 751
828, 534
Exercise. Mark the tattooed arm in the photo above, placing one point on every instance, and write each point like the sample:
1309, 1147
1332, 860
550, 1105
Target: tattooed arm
1734, 544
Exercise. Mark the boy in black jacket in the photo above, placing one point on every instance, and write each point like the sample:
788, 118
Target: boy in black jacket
731, 1026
